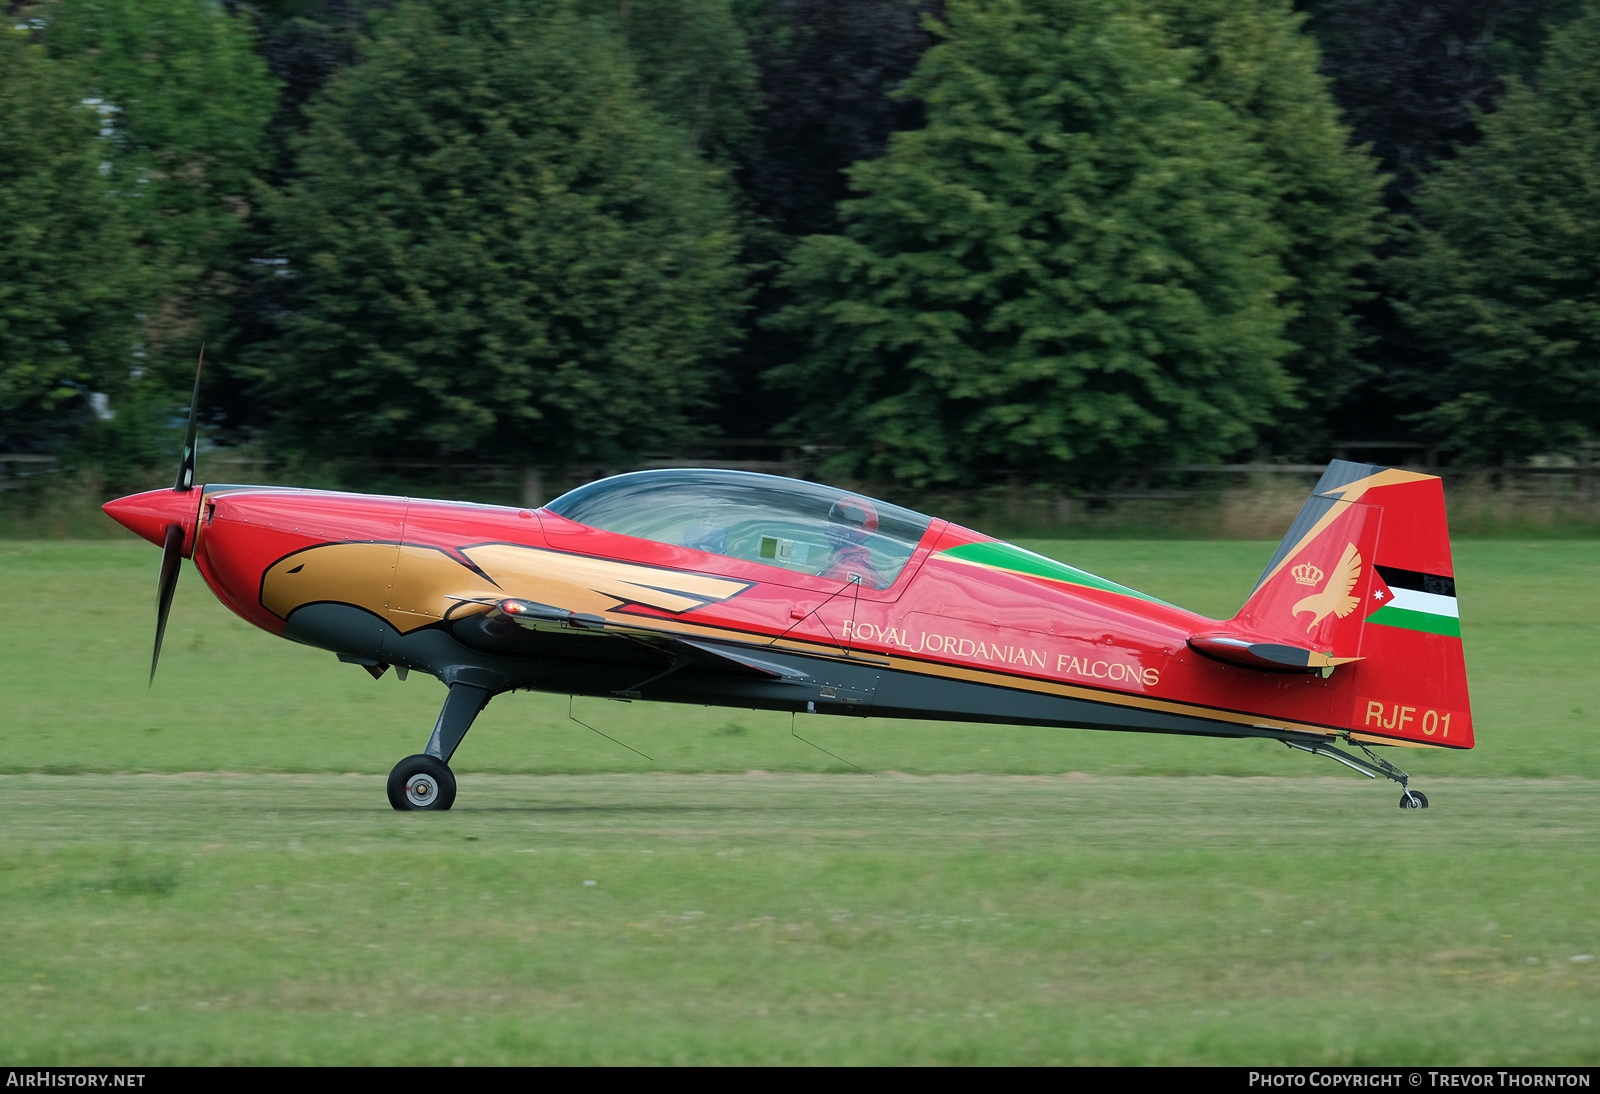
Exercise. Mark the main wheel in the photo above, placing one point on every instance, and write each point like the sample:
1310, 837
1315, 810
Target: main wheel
1413, 799
421, 782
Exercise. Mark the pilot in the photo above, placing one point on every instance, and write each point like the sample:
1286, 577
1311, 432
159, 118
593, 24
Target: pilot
850, 522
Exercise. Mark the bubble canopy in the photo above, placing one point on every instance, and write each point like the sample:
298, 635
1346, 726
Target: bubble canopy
803, 527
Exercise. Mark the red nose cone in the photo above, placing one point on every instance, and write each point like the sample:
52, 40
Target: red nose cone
150, 513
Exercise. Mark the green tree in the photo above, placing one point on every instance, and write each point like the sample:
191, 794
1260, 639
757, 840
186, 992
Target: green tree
1324, 195
1073, 266
67, 270
184, 101
693, 65
1503, 272
498, 247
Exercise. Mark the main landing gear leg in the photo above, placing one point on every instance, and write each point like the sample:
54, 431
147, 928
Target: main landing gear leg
426, 782
1371, 766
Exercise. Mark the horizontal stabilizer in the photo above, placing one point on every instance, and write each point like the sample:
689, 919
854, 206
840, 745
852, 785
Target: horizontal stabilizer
1252, 653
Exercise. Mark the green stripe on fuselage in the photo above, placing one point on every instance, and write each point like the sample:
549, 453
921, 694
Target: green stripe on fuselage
1391, 616
1003, 556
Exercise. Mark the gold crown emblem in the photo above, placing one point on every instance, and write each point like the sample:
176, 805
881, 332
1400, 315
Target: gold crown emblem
1306, 574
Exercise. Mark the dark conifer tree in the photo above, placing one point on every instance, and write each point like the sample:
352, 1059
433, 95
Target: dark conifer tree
1412, 77
1324, 195
831, 75
1503, 275
1412, 80
497, 247
1072, 267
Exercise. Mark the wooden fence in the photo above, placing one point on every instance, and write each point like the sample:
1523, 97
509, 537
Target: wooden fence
1574, 478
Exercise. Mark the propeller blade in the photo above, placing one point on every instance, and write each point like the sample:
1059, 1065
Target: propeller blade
186, 461
172, 545
171, 561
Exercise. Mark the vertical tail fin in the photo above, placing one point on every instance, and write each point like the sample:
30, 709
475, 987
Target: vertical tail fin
1364, 578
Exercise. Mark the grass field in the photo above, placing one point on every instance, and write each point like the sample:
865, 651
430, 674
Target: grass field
75, 646
208, 871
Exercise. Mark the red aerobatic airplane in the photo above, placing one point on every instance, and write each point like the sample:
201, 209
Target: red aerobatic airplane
734, 589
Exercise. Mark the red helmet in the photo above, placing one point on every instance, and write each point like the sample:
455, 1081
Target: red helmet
855, 513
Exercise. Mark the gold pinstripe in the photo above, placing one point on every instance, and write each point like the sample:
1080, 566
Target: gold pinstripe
283, 602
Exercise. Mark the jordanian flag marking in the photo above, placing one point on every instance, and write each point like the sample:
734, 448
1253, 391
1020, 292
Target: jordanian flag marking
1415, 601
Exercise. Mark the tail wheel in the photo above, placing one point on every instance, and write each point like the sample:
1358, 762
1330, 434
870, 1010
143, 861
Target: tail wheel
421, 783
1413, 799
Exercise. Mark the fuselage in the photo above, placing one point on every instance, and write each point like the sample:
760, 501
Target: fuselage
966, 627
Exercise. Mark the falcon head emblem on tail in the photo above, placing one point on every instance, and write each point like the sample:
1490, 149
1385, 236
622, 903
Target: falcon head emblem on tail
1335, 595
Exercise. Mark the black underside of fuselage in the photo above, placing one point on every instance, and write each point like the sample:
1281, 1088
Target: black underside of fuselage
497, 654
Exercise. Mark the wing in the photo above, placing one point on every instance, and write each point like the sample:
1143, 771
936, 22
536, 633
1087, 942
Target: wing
702, 654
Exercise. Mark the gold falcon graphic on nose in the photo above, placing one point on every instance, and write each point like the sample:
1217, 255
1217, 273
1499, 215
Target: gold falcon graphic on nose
413, 586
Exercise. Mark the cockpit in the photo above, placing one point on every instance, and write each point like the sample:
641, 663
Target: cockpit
803, 527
